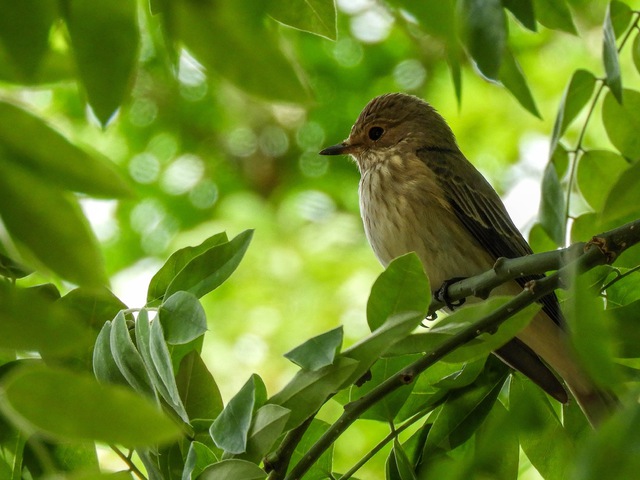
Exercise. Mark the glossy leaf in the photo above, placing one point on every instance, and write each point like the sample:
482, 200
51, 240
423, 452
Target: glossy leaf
105, 367
402, 287
313, 16
552, 206
555, 14
209, 270
574, 98
104, 37
307, 391
485, 34
267, 425
236, 469
597, 172
183, 318
231, 429
231, 39
622, 121
53, 156
624, 196
198, 458
128, 358
35, 17
523, 11
176, 262
610, 57
198, 389
317, 352
512, 77
62, 239
71, 406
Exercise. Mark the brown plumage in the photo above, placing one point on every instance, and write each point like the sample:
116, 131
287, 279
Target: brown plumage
419, 193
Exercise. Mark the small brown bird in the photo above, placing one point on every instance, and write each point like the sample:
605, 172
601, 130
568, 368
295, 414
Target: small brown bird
418, 193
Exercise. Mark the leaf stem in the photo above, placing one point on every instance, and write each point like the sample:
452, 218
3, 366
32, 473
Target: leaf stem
127, 459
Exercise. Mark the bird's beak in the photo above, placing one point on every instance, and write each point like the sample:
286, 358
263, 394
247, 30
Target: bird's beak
343, 148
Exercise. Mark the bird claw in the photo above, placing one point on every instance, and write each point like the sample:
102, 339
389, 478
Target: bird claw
442, 294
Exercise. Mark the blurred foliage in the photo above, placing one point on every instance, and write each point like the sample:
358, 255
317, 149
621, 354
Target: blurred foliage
132, 129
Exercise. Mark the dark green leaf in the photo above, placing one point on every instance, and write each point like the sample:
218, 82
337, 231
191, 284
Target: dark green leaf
465, 409
233, 469
30, 322
104, 366
313, 16
198, 390
176, 262
322, 468
555, 14
626, 291
456, 76
620, 14
626, 329
54, 157
59, 234
231, 39
624, 195
71, 406
267, 425
9, 268
104, 37
485, 33
198, 458
399, 459
622, 122
317, 352
610, 57
95, 305
523, 11
574, 98
26, 49
182, 318
552, 206
496, 446
128, 359
542, 437
210, 269
436, 18
635, 52
513, 79
598, 171
231, 429
402, 287
307, 391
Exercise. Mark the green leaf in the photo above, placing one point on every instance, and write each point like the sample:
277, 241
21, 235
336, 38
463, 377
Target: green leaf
95, 305
209, 270
74, 407
104, 37
539, 239
574, 98
313, 16
54, 157
402, 287
496, 446
35, 17
323, 466
610, 57
552, 205
635, 52
182, 318
267, 425
465, 409
231, 429
128, 359
198, 458
624, 196
198, 390
308, 390
9, 268
598, 171
400, 463
620, 14
513, 79
232, 39
233, 469
176, 262
485, 34
58, 234
542, 437
555, 14
317, 352
622, 121
523, 11
626, 330
104, 365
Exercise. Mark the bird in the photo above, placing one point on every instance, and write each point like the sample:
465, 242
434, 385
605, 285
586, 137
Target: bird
419, 193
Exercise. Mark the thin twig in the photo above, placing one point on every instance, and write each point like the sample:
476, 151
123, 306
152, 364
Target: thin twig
127, 459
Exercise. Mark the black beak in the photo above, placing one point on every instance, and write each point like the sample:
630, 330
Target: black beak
340, 149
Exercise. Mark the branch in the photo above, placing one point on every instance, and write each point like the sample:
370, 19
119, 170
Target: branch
600, 250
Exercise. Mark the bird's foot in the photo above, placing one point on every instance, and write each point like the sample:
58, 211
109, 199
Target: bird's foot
442, 294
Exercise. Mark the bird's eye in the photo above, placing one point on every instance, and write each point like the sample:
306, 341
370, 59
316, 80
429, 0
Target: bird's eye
375, 133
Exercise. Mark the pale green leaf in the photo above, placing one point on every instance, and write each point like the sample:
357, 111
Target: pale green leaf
317, 352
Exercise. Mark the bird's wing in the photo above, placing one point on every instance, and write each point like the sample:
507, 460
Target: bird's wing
480, 210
